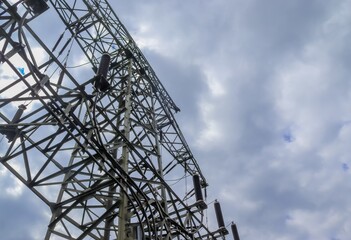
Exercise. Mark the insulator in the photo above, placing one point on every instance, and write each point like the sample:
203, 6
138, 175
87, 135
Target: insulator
104, 65
235, 232
37, 6
18, 114
11, 131
197, 188
142, 71
219, 215
198, 192
128, 53
101, 82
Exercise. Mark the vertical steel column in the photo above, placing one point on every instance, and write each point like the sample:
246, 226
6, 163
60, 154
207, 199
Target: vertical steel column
123, 211
159, 159
112, 189
164, 203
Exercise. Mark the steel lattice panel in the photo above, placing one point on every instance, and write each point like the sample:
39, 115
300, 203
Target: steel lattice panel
89, 152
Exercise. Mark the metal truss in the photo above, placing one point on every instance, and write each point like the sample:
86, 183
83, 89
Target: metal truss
97, 141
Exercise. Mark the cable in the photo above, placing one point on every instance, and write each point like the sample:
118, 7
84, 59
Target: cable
80, 65
99, 139
231, 222
177, 180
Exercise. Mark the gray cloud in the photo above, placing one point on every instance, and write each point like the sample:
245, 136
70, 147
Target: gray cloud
22, 215
275, 66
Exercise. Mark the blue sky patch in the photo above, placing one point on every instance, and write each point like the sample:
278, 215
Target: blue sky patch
345, 167
21, 70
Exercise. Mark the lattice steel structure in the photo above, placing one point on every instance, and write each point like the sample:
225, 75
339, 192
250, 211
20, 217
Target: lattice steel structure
90, 129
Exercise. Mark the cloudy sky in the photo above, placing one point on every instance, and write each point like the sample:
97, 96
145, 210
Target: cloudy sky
265, 95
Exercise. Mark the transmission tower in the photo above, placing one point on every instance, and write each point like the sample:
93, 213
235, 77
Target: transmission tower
89, 128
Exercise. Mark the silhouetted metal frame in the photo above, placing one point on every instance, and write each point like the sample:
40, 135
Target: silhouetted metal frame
76, 131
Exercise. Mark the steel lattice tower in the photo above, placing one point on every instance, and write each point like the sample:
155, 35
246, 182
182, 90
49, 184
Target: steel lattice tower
97, 142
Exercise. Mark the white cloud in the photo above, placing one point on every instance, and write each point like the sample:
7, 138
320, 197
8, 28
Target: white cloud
212, 133
327, 224
11, 186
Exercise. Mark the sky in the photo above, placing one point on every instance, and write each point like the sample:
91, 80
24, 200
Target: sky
265, 93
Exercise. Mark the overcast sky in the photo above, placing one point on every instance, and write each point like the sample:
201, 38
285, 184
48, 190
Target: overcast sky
265, 96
